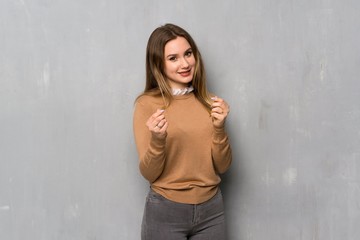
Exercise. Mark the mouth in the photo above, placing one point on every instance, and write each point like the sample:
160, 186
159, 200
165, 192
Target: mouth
185, 73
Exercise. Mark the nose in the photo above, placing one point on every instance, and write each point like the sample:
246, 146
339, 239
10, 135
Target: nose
184, 63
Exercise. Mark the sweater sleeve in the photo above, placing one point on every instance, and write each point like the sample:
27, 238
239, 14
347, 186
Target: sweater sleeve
151, 150
221, 150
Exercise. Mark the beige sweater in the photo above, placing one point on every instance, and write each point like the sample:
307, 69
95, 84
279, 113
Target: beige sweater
185, 166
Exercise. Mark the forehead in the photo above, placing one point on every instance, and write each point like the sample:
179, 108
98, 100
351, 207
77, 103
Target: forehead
177, 45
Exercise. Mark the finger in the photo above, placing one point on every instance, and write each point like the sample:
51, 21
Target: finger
217, 115
219, 102
217, 99
217, 110
225, 108
164, 127
158, 113
161, 123
157, 120
216, 104
153, 125
155, 115
154, 121
162, 130
221, 109
217, 118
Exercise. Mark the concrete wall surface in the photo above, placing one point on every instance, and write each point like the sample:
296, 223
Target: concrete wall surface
70, 71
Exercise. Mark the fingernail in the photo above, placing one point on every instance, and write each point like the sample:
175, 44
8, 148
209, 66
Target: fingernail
213, 98
162, 110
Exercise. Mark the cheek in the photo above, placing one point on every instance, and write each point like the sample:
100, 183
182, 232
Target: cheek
193, 61
169, 68
166, 68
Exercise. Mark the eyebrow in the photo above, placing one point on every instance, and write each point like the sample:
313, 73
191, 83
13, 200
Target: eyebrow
175, 54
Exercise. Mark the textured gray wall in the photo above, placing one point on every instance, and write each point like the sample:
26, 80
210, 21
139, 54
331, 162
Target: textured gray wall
71, 69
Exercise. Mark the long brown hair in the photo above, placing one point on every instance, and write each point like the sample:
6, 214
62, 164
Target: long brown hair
156, 83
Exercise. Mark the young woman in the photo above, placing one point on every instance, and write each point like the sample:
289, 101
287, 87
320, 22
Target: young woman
181, 142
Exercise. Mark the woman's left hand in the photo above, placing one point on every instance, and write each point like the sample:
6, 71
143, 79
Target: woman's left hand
219, 111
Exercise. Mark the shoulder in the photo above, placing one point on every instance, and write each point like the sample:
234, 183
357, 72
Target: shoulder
148, 100
146, 104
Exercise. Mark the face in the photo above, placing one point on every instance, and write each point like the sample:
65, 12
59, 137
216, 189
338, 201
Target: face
179, 63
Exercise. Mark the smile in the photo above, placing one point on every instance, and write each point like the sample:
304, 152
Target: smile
185, 74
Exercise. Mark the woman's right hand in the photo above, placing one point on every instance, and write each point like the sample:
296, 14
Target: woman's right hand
157, 124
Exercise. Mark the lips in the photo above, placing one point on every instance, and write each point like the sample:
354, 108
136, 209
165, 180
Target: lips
185, 73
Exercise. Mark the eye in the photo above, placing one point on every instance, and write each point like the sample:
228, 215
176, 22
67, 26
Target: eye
188, 53
173, 59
